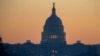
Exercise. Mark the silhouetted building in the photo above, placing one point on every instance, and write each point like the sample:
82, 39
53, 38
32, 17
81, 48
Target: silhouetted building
2, 49
53, 30
52, 42
53, 37
92, 51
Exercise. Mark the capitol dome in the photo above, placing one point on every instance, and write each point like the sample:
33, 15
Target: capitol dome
53, 19
53, 31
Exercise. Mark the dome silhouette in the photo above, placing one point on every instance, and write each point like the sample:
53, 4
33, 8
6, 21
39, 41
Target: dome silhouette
53, 20
53, 23
53, 31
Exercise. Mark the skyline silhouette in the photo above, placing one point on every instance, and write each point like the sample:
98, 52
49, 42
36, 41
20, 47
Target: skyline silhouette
24, 20
53, 42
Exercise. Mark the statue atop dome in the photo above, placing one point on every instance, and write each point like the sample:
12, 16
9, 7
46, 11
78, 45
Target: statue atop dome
53, 9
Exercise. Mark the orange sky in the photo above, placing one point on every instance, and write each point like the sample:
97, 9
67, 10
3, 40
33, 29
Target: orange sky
23, 20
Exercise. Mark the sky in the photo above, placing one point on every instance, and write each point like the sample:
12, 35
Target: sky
23, 20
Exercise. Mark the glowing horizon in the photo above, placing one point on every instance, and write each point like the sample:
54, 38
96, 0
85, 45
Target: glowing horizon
24, 20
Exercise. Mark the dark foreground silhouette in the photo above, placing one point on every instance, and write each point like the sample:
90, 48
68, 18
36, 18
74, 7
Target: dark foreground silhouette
2, 49
30, 49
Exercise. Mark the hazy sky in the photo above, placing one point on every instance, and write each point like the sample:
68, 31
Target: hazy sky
23, 20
